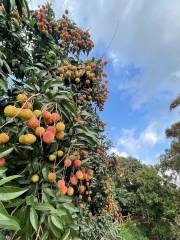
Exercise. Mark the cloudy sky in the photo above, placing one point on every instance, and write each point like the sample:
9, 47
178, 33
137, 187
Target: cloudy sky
140, 39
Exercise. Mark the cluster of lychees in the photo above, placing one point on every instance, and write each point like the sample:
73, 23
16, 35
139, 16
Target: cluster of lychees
34, 119
68, 34
46, 127
89, 77
79, 182
79, 178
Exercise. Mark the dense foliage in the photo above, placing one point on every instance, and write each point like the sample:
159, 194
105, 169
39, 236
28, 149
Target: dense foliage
171, 159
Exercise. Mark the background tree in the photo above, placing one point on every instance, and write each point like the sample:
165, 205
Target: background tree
150, 199
171, 159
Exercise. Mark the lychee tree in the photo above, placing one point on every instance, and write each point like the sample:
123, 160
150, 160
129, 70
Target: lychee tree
171, 159
50, 132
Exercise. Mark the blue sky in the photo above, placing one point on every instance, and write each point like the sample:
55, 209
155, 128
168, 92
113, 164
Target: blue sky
141, 41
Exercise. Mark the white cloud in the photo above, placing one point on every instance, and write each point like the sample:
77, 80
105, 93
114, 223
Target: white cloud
116, 151
150, 135
133, 143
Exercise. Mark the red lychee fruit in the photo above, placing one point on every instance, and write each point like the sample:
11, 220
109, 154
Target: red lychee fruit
55, 117
63, 190
77, 163
33, 123
2, 162
52, 176
48, 137
4, 138
79, 175
70, 191
82, 188
51, 129
39, 131
67, 163
60, 183
73, 180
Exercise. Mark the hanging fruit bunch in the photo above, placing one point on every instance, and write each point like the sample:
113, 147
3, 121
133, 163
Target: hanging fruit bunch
64, 31
87, 78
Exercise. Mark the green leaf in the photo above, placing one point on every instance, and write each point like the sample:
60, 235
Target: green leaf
66, 235
3, 84
54, 229
56, 221
6, 152
44, 207
70, 207
45, 236
64, 199
33, 218
2, 171
15, 203
7, 221
30, 200
7, 193
61, 212
49, 192
8, 179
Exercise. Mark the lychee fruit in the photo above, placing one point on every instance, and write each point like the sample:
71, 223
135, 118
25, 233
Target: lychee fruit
48, 137
77, 163
46, 115
4, 138
73, 180
60, 126
22, 139
21, 98
60, 70
55, 117
85, 176
60, 135
52, 157
63, 190
37, 113
60, 153
52, 176
30, 138
82, 188
25, 114
67, 163
51, 129
33, 122
10, 111
27, 105
72, 157
60, 183
39, 131
35, 178
79, 175
70, 191
2, 162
